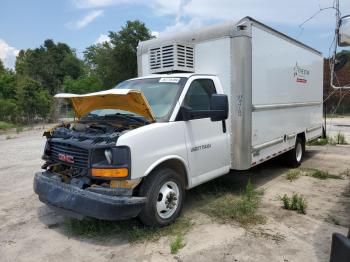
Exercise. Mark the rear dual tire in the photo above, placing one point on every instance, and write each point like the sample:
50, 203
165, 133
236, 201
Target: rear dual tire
295, 156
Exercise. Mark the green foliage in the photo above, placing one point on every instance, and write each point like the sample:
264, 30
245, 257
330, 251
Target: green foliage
295, 202
116, 61
343, 52
8, 110
293, 174
321, 174
318, 142
132, 229
286, 201
32, 99
49, 64
26, 94
177, 244
7, 85
340, 138
5, 125
240, 208
82, 85
19, 129
2, 68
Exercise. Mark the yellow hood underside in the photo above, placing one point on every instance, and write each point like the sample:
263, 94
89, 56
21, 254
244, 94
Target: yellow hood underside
123, 99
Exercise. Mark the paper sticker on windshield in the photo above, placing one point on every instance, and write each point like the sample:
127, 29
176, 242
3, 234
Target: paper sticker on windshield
169, 80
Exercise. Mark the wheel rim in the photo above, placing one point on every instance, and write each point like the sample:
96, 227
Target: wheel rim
168, 199
299, 152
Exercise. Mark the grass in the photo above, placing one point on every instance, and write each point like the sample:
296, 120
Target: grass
19, 129
321, 174
295, 202
318, 142
293, 174
340, 139
240, 208
177, 244
133, 230
6, 125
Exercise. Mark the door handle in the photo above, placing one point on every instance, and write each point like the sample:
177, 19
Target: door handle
223, 126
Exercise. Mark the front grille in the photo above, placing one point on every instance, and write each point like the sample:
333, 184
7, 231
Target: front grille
80, 155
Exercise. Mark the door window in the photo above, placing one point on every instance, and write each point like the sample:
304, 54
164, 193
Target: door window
199, 94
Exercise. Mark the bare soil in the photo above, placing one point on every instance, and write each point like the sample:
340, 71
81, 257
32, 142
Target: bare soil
29, 231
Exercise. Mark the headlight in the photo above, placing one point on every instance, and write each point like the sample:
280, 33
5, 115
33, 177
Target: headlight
109, 156
109, 163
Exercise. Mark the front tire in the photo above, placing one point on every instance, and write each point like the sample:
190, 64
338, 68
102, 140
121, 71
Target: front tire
164, 190
295, 156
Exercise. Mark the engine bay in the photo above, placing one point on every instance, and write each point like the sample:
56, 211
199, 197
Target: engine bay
73, 149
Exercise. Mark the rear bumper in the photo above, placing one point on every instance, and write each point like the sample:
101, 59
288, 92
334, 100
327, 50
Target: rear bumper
76, 202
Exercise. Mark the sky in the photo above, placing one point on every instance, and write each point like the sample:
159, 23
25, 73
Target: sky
81, 23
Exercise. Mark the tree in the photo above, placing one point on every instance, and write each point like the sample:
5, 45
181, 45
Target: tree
49, 64
8, 85
8, 110
32, 99
2, 68
116, 60
82, 85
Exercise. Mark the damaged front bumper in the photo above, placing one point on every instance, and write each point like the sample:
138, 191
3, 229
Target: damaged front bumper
75, 202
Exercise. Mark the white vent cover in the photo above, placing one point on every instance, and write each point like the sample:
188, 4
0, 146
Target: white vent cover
171, 57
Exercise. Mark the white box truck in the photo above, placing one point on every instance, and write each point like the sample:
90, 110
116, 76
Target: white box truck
226, 97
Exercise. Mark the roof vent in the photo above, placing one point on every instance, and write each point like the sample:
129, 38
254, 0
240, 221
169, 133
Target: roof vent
171, 57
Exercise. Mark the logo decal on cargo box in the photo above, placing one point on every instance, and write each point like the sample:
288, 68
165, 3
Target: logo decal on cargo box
300, 74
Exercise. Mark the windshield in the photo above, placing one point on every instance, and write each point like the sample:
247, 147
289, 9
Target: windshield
161, 93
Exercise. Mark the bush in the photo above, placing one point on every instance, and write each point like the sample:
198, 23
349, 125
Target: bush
8, 110
5, 125
296, 202
33, 100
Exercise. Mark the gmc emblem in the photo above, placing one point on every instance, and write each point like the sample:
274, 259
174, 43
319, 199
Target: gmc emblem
66, 158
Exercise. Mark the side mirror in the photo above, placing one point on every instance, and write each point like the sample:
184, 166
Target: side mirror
344, 31
218, 107
186, 113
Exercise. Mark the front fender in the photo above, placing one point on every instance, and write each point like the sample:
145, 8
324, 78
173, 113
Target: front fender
153, 144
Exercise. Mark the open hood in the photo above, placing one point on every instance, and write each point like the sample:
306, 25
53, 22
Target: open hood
123, 99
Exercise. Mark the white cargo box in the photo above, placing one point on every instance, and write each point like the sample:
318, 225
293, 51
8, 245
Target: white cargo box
274, 83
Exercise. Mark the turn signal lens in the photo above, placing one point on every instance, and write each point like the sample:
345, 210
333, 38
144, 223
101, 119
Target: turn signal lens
110, 172
130, 184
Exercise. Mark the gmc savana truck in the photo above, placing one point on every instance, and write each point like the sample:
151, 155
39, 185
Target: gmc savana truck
225, 97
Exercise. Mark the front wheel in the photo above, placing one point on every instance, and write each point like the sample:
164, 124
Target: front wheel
295, 156
164, 190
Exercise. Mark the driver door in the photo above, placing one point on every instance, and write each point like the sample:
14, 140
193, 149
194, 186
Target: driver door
206, 141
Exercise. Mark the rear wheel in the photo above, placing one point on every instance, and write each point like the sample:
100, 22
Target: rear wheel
164, 190
295, 156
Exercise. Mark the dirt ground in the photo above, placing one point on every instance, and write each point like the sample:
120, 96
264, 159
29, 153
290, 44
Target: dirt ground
29, 231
